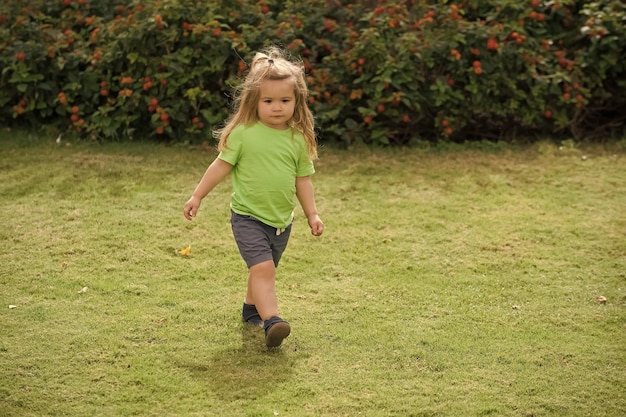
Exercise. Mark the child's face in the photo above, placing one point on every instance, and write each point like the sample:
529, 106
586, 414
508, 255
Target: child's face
277, 103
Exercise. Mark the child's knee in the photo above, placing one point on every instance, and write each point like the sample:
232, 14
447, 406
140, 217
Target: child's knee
263, 269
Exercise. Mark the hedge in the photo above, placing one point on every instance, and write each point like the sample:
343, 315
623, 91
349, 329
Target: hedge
381, 72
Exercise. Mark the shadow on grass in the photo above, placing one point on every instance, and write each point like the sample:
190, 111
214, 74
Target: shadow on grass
245, 373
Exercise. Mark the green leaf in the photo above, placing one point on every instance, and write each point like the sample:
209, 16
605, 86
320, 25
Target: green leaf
193, 93
132, 57
365, 111
351, 124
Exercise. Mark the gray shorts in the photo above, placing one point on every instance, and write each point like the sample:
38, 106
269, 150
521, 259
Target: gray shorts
258, 242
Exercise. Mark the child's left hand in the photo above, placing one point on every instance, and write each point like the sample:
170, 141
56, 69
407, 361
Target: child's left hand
316, 225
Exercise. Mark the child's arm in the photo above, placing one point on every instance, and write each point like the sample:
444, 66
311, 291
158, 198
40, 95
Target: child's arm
215, 173
306, 196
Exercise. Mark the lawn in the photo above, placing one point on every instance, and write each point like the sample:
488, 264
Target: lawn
448, 282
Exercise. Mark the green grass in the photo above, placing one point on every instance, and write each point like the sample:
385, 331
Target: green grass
447, 283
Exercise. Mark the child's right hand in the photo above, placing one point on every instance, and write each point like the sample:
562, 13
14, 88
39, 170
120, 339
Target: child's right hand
191, 208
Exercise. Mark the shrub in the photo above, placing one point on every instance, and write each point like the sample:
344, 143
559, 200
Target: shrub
385, 72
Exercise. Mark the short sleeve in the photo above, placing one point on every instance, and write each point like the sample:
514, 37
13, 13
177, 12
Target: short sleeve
232, 151
305, 165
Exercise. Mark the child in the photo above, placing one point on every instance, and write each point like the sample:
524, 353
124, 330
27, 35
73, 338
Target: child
268, 145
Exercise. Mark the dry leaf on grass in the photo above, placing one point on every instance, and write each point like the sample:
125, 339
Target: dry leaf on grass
186, 251
601, 299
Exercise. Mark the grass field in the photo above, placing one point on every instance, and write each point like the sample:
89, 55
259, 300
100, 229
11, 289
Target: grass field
453, 282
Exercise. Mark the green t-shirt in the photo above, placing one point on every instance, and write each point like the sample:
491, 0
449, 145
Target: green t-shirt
265, 164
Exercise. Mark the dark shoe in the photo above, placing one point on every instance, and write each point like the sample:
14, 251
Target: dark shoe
250, 315
276, 330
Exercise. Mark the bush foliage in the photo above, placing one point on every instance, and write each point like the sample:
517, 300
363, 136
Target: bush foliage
383, 72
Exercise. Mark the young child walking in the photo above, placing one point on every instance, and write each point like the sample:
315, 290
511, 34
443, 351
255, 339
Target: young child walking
268, 146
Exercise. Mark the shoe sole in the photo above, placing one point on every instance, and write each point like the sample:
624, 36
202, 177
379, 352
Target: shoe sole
277, 333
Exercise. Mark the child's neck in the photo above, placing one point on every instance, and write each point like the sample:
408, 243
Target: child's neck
287, 127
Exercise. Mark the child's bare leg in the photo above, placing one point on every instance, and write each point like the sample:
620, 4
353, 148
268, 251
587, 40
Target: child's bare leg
262, 292
262, 289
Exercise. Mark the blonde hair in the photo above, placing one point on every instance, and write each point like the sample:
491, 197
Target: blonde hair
271, 64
